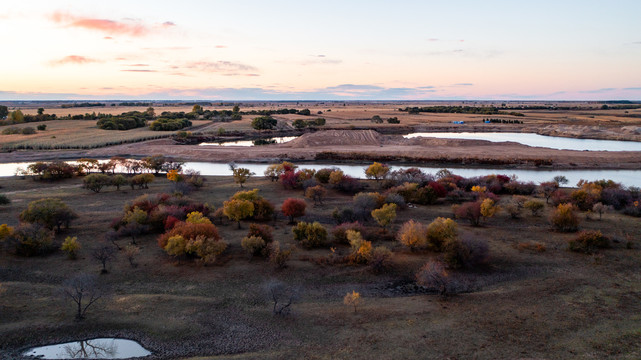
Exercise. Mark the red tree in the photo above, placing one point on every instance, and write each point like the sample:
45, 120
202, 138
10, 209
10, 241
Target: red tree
293, 208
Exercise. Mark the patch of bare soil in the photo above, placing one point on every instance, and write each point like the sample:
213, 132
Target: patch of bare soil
336, 137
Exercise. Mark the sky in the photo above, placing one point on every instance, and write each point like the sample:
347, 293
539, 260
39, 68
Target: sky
321, 50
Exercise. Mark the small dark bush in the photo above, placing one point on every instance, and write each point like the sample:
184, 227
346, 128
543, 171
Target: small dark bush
589, 241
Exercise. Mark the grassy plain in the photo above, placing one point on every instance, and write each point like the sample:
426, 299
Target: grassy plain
529, 304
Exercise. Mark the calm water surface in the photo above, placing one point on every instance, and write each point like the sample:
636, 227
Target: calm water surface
552, 142
102, 348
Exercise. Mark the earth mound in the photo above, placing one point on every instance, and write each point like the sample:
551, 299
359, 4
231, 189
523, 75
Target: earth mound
335, 138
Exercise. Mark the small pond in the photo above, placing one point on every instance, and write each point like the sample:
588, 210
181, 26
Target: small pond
102, 348
552, 142
267, 141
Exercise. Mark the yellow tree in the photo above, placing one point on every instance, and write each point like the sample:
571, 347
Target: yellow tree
352, 299
238, 210
361, 249
489, 208
385, 215
174, 175
5, 232
440, 231
197, 217
377, 171
241, 175
413, 235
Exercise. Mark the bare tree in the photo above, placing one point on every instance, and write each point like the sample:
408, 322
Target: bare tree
104, 254
84, 290
283, 296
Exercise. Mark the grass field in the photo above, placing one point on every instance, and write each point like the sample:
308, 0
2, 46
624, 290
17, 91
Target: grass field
77, 134
529, 304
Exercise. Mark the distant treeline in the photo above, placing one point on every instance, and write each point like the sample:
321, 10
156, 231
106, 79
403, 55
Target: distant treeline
502, 121
84, 104
483, 110
571, 108
304, 112
133, 104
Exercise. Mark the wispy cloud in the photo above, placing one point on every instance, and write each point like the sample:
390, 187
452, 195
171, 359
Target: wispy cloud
320, 59
73, 59
128, 27
140, 70
464, 84
598, 91
227, 68
632, 88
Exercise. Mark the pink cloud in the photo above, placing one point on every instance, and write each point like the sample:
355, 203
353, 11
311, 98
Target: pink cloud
73, 59
110, 27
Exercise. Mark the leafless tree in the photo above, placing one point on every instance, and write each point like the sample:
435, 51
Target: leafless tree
283, 296
91, 349
104, 254
84, 290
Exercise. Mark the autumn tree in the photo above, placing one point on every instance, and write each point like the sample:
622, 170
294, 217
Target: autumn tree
95, 182
413, 234
564, 219
237, 210
535, 207
488, 208
118, 181
316, 193
439, 232
241, 175
310, 235
154, 163
385, 215
546, 189
377, 171
470, 211
293, 208
600, 209
264, 123
50, 212
352, 299
71, 247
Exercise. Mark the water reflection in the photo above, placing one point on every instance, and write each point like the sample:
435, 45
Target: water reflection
551, 142
267, 141
103, 348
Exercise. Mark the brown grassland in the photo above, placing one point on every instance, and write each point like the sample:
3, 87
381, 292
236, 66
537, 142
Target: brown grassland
554, 304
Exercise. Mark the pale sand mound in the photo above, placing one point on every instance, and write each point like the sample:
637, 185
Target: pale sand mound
335, 138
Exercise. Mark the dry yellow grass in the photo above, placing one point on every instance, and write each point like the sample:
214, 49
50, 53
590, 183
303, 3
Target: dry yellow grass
77, 134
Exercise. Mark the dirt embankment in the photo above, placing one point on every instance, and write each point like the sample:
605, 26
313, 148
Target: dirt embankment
363, 145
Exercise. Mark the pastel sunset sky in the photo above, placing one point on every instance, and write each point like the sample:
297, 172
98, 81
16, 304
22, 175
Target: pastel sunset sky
321, 50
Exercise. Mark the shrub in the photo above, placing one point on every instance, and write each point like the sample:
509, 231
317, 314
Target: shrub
28, 131
253, 245
535, 207
316, 193
71, 247
322, 175
31, 240
353, 298
279, 256
340, 232
141, 180
470, 211
49, 212
237, 210
439, 232
189, 231
434, 276
95, 182
467, 252
310, 235
396, 199
564, 219
344, 215
263, 231
413, 235
293, 208
489, 208
364, 203
361, 249
379, 258
589, 241
385, 215
4, 200
5, 232
600, 209
633, 209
